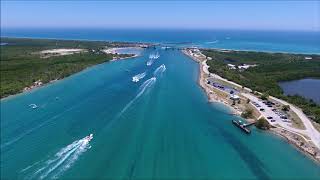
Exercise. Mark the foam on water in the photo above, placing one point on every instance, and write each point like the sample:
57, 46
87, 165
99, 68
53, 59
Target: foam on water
62, 160
29, 131
159, 70
137, 77
150, 62
142, 89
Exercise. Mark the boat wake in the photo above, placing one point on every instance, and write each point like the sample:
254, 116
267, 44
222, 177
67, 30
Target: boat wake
150, 62
159, 70
142, 89
137, 77
152, 58
61, 161
21, 136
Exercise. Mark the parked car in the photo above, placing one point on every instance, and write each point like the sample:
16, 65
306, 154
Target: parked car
269, 117
261, 109
272, 120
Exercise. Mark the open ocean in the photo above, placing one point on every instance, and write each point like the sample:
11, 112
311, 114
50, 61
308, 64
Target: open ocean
159, 127
271, 41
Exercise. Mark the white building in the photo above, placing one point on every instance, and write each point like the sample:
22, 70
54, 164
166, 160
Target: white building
234, 97
231, 66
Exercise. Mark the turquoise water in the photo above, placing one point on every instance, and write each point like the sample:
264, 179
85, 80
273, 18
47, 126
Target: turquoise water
271, 41
308, 88
163, 128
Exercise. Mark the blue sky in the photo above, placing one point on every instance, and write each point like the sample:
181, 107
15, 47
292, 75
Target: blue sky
264, 15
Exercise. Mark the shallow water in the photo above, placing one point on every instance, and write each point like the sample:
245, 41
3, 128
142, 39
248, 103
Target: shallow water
160, 127
308, 88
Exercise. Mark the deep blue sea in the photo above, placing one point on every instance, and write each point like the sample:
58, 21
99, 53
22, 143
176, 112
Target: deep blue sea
271, 41
162, 127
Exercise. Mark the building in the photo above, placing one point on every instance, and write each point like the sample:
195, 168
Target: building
231, 66
234, 97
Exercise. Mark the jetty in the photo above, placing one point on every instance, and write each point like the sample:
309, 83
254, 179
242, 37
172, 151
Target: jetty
243, 127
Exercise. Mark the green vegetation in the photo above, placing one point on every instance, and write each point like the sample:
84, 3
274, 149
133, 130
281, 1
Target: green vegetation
271, 68
262, 123
248, 113
285, 108
264, 96
21, 64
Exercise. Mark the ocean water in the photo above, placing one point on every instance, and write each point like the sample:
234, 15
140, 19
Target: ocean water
270, 41
308, 88
161, 127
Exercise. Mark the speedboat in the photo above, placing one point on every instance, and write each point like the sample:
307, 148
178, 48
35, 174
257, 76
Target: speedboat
149, 63
33, 106
135, 79
154, 56
88, 138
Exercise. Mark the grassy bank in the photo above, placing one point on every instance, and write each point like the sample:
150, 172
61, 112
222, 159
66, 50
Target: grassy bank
22, 64
271, 68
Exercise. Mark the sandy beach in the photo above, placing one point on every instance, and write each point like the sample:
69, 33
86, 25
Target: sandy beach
60, 52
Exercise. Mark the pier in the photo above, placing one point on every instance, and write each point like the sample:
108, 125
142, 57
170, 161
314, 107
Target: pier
243, 127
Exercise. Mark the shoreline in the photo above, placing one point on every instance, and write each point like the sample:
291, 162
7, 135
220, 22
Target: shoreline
36, 86
290, 137
134, 43
264, 51
212, 97
158, 43
277, 131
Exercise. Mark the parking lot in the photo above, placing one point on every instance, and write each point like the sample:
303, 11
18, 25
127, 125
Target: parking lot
268, 111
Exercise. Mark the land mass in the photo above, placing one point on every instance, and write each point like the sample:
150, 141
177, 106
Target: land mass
267, 71
29, 63
221, 72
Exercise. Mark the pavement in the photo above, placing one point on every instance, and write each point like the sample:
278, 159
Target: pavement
310, 131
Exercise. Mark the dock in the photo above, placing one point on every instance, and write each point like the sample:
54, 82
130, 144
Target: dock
243, 127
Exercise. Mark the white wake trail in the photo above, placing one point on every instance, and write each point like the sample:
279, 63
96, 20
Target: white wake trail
159, 70
150, 62
145, 86
61, 161
137, 77
21, 136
